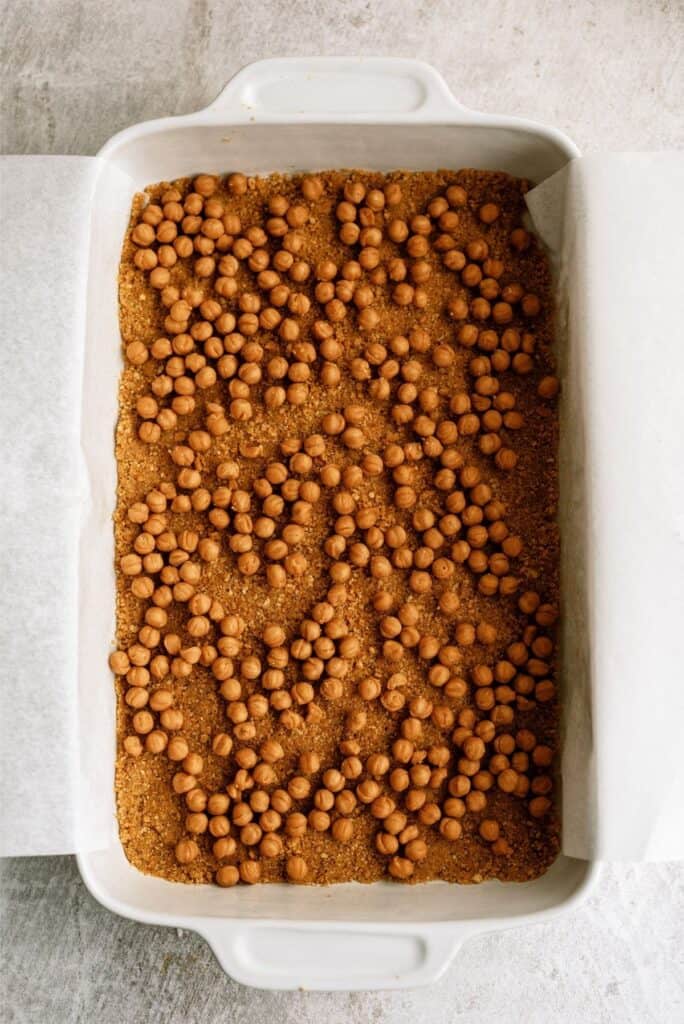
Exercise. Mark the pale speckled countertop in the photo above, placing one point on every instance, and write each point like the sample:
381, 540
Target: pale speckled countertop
609, 73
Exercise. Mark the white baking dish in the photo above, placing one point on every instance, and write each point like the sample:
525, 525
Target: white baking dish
286, 115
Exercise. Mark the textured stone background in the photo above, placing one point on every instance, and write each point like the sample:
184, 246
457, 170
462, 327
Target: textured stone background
611, 74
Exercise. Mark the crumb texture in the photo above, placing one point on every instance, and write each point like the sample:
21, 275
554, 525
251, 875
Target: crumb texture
336, 539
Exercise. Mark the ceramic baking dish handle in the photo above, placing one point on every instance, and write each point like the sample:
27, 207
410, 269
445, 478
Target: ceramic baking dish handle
359, 957
336, 88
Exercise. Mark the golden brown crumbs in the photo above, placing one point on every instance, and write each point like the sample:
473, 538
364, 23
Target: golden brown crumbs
337, 551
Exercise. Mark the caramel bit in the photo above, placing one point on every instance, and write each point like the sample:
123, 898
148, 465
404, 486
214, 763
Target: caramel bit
337, 572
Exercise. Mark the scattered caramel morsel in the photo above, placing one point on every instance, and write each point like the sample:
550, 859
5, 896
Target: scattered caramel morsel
325, 542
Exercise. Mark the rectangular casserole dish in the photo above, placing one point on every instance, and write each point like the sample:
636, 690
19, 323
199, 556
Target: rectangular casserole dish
290, 115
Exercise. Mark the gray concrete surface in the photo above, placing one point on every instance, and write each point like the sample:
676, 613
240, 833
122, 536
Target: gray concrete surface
616, 960
609, 73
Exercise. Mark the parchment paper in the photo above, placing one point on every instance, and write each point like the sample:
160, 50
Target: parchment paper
614, 225
45, 203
